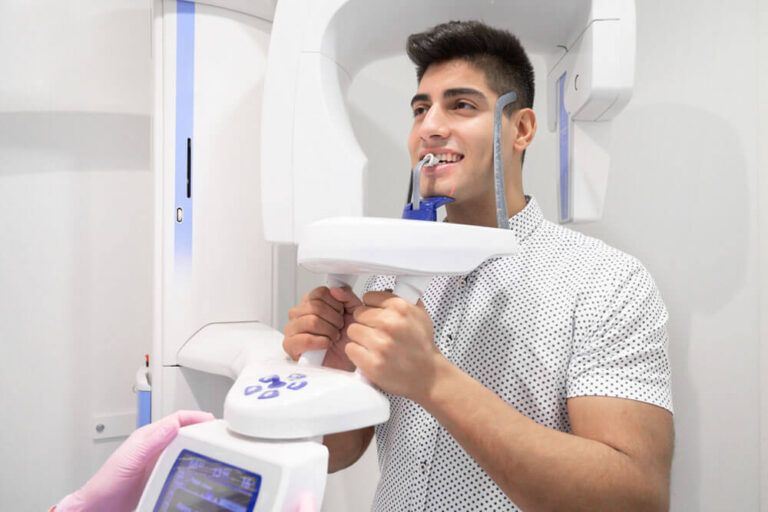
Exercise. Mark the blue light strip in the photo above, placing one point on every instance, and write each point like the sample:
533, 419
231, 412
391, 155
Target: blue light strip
563, 125
185, 69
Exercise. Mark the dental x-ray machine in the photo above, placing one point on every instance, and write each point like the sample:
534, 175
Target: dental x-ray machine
218, 283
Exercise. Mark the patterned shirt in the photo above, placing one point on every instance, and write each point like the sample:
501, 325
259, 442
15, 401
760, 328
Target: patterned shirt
567, 316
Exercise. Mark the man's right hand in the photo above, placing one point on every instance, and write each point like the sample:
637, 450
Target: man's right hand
320, 322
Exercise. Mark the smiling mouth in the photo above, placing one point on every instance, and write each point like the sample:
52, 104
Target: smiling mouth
448, 158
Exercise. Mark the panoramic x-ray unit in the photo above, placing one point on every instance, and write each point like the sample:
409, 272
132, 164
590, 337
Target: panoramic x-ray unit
231, 73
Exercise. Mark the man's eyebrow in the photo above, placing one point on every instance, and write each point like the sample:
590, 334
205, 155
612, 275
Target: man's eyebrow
451, 93
463, 91
419, 97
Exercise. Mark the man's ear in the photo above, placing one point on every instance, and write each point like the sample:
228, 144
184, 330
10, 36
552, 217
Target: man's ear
525, 122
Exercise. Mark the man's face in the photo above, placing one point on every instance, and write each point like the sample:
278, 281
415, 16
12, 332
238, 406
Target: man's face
453, 119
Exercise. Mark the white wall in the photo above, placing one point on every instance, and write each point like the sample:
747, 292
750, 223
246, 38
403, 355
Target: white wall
683, 198
76, 242
75, 235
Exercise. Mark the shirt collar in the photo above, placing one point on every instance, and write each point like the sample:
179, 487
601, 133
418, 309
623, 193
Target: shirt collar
525, 222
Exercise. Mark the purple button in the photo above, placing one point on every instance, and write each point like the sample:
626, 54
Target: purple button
269, 378
251, 390
270, 393
276, 384
296, 376
297, 385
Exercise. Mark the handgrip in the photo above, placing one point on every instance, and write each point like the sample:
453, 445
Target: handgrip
315, 357
410, 288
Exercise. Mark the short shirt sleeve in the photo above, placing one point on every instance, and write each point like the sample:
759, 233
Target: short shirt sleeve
621, 344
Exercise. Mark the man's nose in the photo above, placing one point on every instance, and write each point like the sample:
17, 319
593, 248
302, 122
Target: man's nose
434, 125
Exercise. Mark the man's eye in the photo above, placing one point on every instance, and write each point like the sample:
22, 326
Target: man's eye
417, 111
464, 105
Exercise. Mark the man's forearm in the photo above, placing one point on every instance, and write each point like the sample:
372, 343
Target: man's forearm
539, 468
345, 448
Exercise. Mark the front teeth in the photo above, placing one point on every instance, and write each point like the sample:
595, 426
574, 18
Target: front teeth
448, 157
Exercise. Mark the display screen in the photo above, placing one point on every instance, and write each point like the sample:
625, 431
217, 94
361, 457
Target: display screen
198, 483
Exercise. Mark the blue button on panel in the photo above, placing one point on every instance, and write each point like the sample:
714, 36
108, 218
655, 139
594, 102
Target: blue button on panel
251, 390
294, 382
297, 385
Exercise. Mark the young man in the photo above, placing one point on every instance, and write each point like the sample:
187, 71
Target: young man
539, 381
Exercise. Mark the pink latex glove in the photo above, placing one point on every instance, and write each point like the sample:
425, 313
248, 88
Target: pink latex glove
306, 504
118, 484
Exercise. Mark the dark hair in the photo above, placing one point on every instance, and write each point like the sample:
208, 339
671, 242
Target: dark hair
497, 53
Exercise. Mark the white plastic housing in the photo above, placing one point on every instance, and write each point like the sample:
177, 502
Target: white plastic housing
226, 349
312, 166
355, 245
412, 250
600, 64
264, 9
311, 401
326, 400
224, 273
292, 473
600, 72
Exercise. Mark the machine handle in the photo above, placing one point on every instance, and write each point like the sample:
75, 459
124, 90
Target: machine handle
315, 357
409, 288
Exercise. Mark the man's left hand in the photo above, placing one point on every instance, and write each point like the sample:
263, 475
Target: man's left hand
393, 345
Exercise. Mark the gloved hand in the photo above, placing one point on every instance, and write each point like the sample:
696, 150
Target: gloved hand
306, 504
118, 484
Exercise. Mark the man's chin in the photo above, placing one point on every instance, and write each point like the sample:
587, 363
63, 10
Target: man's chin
440, 191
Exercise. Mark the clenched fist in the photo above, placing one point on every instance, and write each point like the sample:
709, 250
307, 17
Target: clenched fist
320, 322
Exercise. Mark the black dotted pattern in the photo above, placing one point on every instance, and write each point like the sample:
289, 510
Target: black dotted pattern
567, 316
